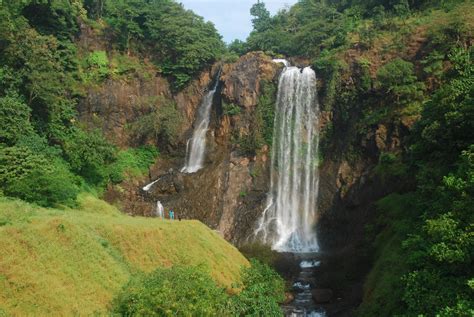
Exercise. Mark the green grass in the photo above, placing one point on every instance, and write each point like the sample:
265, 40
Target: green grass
66, 262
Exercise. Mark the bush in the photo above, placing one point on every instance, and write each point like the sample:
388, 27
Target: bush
398, 79
161, 124
96, 66
262, 290
190, 291
36, 179
89, 153
133, 162
178, 291
231, 109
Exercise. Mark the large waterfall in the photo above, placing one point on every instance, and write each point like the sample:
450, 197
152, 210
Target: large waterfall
196, 146
289, 219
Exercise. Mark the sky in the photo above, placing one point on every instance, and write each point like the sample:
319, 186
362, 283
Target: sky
231, 17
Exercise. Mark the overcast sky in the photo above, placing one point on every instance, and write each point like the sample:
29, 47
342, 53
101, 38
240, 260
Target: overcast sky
231, 17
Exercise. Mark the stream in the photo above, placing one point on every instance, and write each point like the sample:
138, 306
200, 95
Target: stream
303, 304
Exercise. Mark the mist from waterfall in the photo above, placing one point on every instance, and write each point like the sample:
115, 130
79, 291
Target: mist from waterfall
288, 222
196, 146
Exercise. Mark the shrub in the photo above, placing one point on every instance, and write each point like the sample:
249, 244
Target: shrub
231, 109
134, 162
262, 290
160, 125
97, 66
398, 78
36, 179
190, 291
178, 291
89, 153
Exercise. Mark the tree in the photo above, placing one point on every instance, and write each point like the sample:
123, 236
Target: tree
398, 79
261, 16
14, 119
35, 178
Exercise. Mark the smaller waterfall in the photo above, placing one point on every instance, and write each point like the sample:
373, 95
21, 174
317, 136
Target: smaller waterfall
196, 146
149, 186
160, 210
283, 61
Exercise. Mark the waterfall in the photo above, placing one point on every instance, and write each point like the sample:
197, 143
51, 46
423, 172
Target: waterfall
149, 186
159, 210
288, 222
196, 146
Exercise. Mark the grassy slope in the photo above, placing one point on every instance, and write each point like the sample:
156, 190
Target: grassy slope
74, 261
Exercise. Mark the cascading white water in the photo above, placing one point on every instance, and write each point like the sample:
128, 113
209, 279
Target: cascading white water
289, 219
149, 186
159, 212
196, 146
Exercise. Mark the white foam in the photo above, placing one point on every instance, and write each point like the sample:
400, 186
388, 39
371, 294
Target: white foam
283, 61
149, 186
309, 264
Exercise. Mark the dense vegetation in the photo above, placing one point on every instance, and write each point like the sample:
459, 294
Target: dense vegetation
190, 291
425, 238
47, 156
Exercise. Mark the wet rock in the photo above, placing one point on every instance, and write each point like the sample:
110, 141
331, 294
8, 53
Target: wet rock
289, 297
323, 295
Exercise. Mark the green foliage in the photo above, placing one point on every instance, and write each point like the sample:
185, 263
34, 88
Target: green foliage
238, 47
231, 109
261, 16
96, 67
190, 291
265, 112
14, 119
261, 124
398, 79
89, 153
160, 124
390, 165
36, 179
178, 291
305, 29
262, 290
441, 254
132, 162
181, 42
446, 126
260, 252
58, 17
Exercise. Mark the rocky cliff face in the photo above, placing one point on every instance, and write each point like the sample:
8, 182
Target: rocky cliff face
229, 193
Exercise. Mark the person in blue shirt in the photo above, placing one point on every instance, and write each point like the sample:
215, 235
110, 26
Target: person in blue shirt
171, 214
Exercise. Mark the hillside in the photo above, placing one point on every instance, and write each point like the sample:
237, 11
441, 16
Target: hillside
75, 261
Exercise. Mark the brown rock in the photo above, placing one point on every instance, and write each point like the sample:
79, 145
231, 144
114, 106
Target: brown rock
289, 297
242, 79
